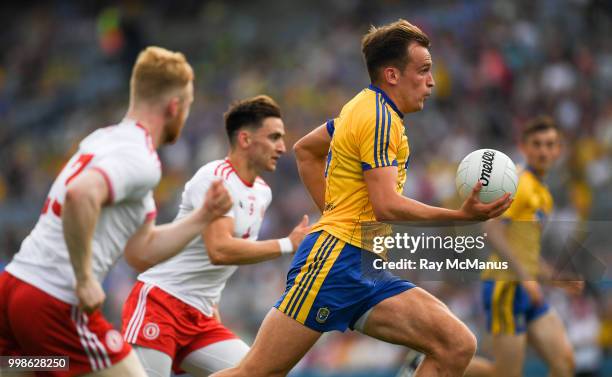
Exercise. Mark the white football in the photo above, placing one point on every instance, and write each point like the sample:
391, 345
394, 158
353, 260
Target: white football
493, 168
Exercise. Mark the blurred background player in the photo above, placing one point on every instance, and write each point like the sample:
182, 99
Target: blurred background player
170, 313
362, 181
101, 202
516, 310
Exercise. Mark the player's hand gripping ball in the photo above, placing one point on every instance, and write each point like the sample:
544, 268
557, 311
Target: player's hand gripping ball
493, 169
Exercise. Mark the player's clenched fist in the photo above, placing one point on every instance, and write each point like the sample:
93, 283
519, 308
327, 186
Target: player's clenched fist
299, 232
217, 201
90, 294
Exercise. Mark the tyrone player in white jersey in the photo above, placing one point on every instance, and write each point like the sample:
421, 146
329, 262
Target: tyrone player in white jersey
170, 315
100, 203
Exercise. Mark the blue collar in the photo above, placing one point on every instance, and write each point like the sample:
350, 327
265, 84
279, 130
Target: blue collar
387, 99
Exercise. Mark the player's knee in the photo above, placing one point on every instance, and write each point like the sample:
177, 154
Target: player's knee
457, 347
464, 347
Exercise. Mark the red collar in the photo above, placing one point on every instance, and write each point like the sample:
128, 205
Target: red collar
247, 184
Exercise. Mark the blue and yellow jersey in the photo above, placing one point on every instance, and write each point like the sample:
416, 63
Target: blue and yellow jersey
368, 134
525, 219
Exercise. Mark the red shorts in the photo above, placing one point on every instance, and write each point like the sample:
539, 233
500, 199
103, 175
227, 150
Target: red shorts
33, 323
155, 319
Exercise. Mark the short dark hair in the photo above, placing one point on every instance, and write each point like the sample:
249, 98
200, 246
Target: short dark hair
387, 45
538, 124
250, 113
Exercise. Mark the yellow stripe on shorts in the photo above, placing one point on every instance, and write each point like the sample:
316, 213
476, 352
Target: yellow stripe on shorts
503, 308
313, 289
306, 270
496, 306
509, 325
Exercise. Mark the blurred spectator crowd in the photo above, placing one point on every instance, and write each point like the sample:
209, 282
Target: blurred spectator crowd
64, 71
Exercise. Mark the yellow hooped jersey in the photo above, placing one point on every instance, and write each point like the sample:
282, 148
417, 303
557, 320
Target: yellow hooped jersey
525, 218
368, 134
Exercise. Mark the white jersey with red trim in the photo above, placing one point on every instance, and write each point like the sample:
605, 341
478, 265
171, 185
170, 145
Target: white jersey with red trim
190, 276
125, 156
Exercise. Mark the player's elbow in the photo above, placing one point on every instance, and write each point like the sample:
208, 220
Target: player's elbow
300, 150
382, 215
382, 212
217, 256
76, 195
137, 260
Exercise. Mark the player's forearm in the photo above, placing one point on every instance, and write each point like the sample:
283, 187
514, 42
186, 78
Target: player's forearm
235, 251
552, 275
162, 242
395, 207
312, 173
79, 217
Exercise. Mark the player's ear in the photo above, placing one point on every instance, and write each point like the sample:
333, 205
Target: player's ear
391, 75
243, 139
173, 107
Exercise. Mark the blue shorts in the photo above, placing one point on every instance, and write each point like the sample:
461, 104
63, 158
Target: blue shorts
508, 307
326, 289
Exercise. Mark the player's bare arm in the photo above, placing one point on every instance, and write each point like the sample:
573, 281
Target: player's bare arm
153, 244
85, 196
310, 154
225, 249
496, 231
388, 205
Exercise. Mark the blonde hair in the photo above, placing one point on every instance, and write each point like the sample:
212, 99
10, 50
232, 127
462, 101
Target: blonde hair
387, 45
157, 73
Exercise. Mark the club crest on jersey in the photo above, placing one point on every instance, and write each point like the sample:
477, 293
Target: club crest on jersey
150, 331
322, 315
113, 340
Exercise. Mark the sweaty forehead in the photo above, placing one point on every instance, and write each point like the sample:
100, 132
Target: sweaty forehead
419, 55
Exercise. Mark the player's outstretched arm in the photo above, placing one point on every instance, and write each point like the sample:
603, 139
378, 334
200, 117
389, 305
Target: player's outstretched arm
85, 196
388, 205
153, 244
225, 249
310, 154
